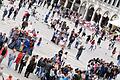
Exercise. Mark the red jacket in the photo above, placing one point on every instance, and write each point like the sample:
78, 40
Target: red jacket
5, 53
93, 42
19, 57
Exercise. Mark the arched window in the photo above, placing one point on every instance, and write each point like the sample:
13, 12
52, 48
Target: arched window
109, 1
114, 2
118, 4
105, 0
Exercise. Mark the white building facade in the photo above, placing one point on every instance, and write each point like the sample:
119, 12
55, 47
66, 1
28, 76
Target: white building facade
99, 11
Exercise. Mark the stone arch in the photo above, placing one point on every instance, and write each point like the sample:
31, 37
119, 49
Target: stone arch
114, 2
114, 17
106, 13
69, 4
97, 15
112, 27
62, 2
105, 19
83, 8
90, 12
76, 5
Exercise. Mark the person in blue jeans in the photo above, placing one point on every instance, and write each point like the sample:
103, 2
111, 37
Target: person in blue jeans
12, 57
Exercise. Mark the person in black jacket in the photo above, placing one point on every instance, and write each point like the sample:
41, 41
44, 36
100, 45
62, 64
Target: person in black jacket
15, 13
76, 23
39, 66
23, 63
30, 68
71, 40
80, 50
88, 39
4, 14
10, 11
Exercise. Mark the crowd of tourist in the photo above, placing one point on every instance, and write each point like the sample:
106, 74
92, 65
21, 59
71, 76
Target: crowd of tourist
23, 41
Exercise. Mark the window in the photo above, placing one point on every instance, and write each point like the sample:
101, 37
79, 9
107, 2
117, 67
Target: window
105, 0
118, 4
109, 1
114, 2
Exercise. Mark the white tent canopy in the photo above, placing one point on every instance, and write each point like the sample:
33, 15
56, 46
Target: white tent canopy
115, 22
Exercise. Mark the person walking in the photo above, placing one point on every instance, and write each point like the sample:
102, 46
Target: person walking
11, 58
88, 39
92, 45
118, 58
1, 73
0, 4
3, 53
76, 23
30, 5
24, 25
78, 41
30, 68
47, 16
71, 40
10, 11
23, 63
80, 50
1, 41
18, 59
99, 41
39, 42
38, 66
114, 51
15, 13
27, 16
4, 14
64, 58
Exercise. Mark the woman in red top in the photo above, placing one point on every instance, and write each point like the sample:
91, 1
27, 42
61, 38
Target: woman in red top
3, 53
18, 59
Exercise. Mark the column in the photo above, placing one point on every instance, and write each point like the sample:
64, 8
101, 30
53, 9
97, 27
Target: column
100, 20
116, 2
66, 2
108, 23
93, 15
85, 13
79, 8
59, 1
112, 2
72, 5
107, 1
